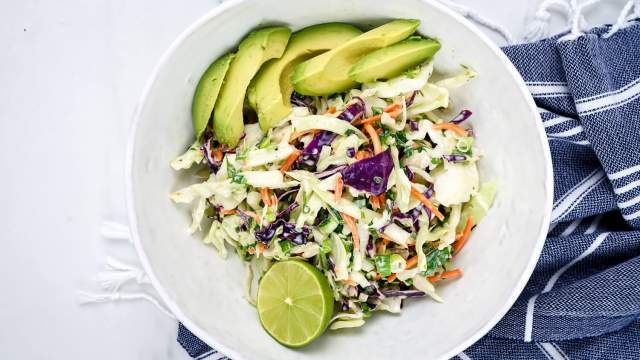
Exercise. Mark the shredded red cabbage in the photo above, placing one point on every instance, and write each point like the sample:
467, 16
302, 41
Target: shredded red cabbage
330, 171
406, 293
462, 116
370, 174
455, 158
304, 101
351, 152
311, 152
206, 148
408, 102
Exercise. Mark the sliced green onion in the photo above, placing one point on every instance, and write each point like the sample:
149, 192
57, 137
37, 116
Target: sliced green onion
398, 263
383, 265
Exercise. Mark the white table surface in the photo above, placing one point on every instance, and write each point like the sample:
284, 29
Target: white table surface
70, 74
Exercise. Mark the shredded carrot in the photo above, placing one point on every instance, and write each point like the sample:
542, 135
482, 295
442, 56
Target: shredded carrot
354, 231
392, 108
381, 247
383, 201
453, 127
218, 154
377, 276
298, 134
362, 154
423, 199
290, 160
375, 202
331, 110
261, 247
227, 212
265, 193
446, 275
251, 250
349, 282
386, 239
379, 131
337, 193
457, 246
413, 261
255, 216
377, 146
367, 120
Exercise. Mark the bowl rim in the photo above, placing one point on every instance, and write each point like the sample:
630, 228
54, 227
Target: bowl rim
212, 342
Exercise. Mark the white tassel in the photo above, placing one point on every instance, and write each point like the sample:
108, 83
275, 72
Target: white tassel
115, 231
118, 273
474, 16
538, 28
623, 18
578, 23
93, 298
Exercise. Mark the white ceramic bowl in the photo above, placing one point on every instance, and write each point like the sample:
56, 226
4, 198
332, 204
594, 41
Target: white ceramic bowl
205, 291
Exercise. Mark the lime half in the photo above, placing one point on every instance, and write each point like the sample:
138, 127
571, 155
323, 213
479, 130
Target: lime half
295, 303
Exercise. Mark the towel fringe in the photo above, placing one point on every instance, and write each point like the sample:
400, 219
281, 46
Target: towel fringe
480, 19
112, 230
119, 273
625, 17
538, 28
85, 298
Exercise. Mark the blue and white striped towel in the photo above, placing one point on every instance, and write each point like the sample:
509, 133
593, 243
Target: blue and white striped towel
583, 300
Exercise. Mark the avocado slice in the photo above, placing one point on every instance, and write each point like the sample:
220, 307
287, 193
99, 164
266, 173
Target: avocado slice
271, 89
256, 49
328, 73
207, 92
393, 60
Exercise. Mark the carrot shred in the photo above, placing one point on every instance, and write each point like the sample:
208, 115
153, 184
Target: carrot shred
255, 216
337, 193
377, 276
393, 110
411, 262
452, 127
383, 201
367, 120
290, 160
423, 199
349, 282
266, 196
261, 247
375, 202
392, 107
377, 146
251, 250
457, 246
362, 154
354, 230
331, 110
218, 155
379, 131
386, 239
298, 134
446, 275
227, 212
